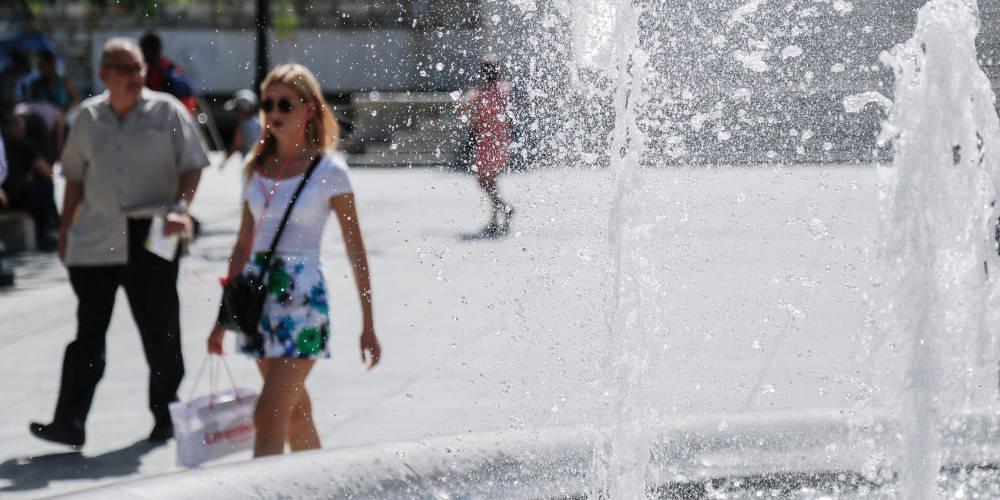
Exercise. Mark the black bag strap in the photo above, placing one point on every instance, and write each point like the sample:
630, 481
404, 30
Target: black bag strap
288, 212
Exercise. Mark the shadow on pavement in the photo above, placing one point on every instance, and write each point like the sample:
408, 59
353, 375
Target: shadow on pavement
35, 270
482, 235
32, 473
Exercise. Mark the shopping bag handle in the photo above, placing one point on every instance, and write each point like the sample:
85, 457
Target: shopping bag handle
212, 378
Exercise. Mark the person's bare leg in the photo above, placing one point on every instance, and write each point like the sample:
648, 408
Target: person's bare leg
302, 433
489, 185
284, 385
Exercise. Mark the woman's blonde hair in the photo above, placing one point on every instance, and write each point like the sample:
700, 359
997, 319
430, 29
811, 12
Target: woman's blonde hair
321, 130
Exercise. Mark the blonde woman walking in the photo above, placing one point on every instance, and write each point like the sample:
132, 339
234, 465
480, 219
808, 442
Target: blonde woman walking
294, 330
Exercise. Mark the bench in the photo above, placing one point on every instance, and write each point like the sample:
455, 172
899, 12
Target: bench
17, 231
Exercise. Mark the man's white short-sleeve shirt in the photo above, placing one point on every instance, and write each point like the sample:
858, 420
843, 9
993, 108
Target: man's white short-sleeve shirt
129, 167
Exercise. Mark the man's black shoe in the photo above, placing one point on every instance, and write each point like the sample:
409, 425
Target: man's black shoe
58, 433
161, 433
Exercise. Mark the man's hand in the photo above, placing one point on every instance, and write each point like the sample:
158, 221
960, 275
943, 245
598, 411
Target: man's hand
4, 202
63, 238
178, 224
42, 168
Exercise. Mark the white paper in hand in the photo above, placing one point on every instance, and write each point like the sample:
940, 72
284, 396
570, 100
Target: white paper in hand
160, 245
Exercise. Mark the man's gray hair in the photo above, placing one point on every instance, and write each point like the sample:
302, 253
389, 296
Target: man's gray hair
118, 45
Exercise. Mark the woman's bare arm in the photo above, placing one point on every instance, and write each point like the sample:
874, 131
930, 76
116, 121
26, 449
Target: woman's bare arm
244, 242
74, 98
237, 142
467, 104
241, 252
345, 207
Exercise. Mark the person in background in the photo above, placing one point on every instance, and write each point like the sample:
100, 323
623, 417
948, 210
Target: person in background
131, 155
10, 78
4, 201
6, 273
28, 184
46, 127
247, 133
294, 329
163, 74
487, 109
49, 86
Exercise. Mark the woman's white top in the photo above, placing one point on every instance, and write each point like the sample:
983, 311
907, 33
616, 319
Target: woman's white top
304, 230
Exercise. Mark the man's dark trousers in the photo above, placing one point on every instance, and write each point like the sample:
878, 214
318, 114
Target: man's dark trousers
150, 284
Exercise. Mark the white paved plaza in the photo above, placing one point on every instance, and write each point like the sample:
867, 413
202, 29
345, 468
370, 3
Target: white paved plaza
761, 274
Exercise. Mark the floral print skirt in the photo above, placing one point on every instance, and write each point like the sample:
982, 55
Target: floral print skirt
295, 321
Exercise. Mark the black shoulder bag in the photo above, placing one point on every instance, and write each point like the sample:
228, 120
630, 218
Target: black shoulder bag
243, 297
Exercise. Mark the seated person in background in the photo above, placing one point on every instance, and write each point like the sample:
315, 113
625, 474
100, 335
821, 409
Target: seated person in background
45, 127
49, 86
3, 175
29, 183
10, 77
247, 133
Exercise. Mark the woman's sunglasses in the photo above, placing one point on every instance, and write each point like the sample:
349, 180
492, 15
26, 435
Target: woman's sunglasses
284, 105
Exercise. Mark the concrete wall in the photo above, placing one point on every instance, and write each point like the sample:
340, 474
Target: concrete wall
560, 462
345, 61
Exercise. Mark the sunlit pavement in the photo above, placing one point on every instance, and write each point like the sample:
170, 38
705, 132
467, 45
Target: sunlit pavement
752, 280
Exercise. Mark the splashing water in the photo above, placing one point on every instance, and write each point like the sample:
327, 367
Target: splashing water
622, 459
658, 85
936, 212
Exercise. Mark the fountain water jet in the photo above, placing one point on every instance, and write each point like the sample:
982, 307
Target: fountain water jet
937, 218
622, 458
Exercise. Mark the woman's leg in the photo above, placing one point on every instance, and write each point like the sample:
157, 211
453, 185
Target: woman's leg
488, 182
302, 433
284, 386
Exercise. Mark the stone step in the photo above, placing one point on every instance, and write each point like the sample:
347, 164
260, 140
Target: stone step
17, 231
428, 137
391, 158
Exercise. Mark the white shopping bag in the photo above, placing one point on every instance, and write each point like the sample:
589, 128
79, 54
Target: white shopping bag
215, 425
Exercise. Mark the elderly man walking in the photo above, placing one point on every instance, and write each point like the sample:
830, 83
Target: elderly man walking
132, 154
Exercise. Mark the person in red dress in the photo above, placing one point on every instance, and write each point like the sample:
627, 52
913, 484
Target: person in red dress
487, 108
